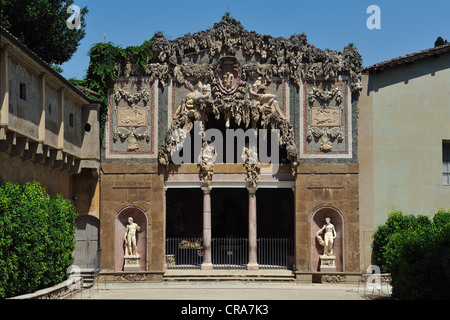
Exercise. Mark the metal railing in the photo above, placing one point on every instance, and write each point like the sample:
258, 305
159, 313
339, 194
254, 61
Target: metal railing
184, 253
229, 253
275, 253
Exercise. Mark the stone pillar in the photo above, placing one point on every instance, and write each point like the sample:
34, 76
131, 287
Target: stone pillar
252, 234
207, 262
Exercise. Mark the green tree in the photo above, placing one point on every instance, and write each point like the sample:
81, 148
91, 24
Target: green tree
439, 42
416, 251
37, 238
42, 26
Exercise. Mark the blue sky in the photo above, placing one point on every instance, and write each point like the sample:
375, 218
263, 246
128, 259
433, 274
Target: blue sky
407, 26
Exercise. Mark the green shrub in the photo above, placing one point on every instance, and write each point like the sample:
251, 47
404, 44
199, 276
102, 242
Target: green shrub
416, 251
36, 238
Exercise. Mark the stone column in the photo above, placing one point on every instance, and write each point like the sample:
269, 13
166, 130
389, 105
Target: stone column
206, 264
252, 242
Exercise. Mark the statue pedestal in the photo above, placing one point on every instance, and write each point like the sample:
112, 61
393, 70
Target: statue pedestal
327, 263
132, 263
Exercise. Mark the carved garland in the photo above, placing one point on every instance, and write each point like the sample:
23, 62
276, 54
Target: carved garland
132, 121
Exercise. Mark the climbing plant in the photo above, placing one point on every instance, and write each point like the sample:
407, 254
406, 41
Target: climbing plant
107, 60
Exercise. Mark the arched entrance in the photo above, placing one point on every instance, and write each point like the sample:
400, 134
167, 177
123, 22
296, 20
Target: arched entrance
87, 241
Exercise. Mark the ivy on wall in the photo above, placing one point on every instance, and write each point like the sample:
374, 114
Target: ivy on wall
107, 61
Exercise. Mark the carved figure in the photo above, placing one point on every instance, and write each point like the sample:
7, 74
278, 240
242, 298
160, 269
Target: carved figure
207, 159
252, 165
330, 235
130, 238
292, 59
202, 92
267, 101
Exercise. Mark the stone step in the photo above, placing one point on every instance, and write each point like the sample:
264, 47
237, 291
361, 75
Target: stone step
88, 277
230, 279
229, 275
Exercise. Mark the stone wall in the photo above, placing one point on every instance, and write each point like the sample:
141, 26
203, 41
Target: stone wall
140, 186
331, 189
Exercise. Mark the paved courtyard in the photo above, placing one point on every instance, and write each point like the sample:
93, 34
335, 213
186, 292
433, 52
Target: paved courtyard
221, 290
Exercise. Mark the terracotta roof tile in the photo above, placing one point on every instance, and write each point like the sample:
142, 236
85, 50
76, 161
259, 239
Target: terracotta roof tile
409, 58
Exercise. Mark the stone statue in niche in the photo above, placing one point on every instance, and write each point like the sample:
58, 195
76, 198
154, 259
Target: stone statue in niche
130, 238
327, 260
330, 235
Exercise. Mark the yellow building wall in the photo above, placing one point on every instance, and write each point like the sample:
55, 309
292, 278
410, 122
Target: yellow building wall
404, 117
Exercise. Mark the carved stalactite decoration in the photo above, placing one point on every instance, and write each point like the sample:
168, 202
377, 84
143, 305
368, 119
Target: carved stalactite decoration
291, 58
235, 89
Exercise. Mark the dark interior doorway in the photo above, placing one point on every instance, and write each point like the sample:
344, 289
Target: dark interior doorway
229, 227
229, 213
184, 213
275, 209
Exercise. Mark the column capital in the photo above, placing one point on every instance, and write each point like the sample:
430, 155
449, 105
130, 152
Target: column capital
206, 189
252, 189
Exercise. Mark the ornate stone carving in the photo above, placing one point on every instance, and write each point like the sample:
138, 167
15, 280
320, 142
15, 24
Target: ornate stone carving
237, 87
136, 117
207, 159
131, 122
325, 117
326, 122
317, 93
333, 278
131, 135
325, 136
252, 165
132, 98
228, 74
132, 277
293, 58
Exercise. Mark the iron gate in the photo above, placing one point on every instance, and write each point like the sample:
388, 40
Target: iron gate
229, 253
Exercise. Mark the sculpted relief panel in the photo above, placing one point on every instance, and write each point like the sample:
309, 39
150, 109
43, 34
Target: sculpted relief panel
130, 122
326, 120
